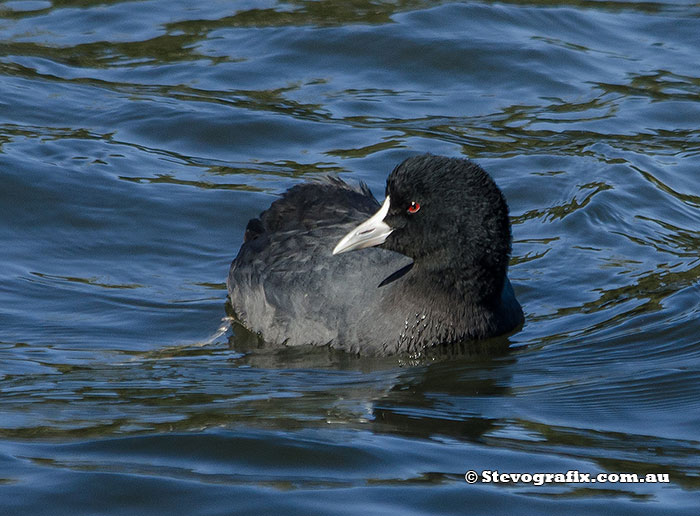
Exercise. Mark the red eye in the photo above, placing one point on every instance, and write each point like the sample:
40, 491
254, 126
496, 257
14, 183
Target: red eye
414, 207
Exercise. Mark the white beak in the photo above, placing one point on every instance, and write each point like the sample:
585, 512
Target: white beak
371, 232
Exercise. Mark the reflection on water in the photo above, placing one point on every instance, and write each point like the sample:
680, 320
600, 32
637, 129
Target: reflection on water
328, 394
138, 138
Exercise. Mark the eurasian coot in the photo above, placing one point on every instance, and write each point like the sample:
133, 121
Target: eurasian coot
431, 272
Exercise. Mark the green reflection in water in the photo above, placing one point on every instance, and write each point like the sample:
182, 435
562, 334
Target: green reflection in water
95, 282
170, 179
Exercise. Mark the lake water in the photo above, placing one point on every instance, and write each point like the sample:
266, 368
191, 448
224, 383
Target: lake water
138, 137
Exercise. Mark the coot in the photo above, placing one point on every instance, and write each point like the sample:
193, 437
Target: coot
431, 270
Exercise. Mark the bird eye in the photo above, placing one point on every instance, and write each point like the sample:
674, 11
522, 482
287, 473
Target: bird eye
414, 207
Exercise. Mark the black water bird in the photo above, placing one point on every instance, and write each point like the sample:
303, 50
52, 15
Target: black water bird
431, 272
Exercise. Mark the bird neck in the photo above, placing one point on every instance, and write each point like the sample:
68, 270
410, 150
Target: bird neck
456, 283
442, 305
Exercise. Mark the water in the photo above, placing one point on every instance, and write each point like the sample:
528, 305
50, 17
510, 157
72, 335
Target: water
137, 139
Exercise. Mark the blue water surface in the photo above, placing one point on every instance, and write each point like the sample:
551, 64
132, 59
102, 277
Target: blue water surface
137, 138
